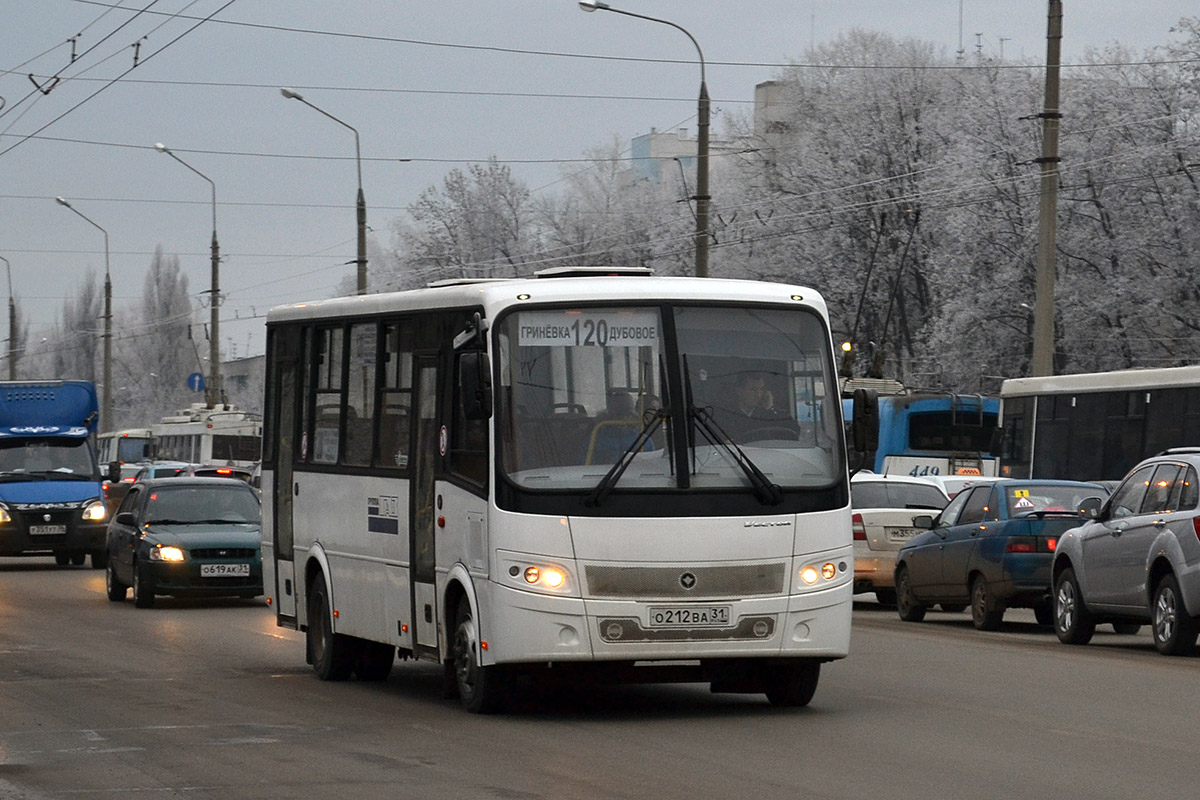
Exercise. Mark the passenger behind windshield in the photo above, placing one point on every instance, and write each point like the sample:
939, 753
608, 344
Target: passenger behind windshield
617, 427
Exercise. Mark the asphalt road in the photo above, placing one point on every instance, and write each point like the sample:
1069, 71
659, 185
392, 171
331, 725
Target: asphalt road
209, 699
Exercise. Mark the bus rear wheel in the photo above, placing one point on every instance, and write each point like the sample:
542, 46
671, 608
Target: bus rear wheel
332, 653
793, 685
481, 689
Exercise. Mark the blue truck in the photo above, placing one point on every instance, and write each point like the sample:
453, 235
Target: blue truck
51, 498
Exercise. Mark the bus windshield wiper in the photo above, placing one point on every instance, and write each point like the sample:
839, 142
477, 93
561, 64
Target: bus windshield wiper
653, 420
768, 493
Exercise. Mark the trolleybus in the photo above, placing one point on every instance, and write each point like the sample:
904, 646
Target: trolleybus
1098, 425
202, 435
926, 433
125, 446
548, 475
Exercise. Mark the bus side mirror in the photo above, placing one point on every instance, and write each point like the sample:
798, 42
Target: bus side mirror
865, 428
475, 384
114, 471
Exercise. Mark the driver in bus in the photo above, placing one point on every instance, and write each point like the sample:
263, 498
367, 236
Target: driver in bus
754, 409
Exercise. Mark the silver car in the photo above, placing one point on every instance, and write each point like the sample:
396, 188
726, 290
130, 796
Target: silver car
1137, 558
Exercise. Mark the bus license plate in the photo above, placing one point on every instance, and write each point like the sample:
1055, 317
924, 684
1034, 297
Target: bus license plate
689, 617
224, 570
43, 530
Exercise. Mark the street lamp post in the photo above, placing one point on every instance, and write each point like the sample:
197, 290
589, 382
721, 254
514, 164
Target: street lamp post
361, 204
12, 325
702, 197
106, 420
213, 393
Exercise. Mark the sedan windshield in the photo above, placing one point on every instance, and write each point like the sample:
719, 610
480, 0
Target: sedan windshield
895, 494
584, 390
185, 505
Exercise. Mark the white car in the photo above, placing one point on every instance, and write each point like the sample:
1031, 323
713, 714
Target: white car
884, 508
953, 484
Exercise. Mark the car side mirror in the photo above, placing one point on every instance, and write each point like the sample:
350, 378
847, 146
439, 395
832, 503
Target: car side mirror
924, 521
126, 518
114, 471
1091, 507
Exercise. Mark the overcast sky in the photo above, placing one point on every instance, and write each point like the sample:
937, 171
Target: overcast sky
429, 86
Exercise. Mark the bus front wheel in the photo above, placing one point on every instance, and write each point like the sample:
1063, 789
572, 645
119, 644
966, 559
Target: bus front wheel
793, 685
332, 653
481, 689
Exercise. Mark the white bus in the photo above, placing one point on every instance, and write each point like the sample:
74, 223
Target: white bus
1096, 425
125, 446
201, 435
516, 477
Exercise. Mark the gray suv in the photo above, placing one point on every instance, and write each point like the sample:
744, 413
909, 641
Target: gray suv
1136, 558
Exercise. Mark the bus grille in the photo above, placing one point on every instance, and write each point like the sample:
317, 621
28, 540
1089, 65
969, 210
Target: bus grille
224, 552
693, 583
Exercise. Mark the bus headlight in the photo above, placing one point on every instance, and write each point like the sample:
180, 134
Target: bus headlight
4, 515
161, 553
540, 576
95, 512
822, 572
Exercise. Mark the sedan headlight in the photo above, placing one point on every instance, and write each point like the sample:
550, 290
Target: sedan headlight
95, 512
160, 553
4, 515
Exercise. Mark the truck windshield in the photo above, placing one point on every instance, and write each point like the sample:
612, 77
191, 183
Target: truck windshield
578, 386
47, 457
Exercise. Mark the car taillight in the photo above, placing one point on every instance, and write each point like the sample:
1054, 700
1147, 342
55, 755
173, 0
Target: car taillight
1052, 544
1021, 546
860, 531
1196, 526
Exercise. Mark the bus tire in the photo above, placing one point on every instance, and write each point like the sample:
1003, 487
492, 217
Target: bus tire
794, 685
143, 589
99, 558
78, 557
332, 653
62, 558
374, 661
482, 690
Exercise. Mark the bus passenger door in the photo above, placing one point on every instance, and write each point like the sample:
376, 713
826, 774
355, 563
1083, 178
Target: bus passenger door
425, 453
287, 388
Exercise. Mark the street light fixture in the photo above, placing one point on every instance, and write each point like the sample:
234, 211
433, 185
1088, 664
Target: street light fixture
213, 393
12, 325
702, 197
106, 421
361, 205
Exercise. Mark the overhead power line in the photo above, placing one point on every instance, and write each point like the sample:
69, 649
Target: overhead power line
631, 59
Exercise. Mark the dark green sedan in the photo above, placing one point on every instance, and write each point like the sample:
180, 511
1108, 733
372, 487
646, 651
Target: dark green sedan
186, 537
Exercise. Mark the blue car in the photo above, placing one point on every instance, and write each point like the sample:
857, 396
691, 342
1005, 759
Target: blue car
990, 548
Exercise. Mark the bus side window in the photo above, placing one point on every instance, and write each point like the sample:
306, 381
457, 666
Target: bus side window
395, 402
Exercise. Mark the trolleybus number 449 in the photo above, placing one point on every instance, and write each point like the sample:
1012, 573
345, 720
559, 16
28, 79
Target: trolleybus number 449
689, 617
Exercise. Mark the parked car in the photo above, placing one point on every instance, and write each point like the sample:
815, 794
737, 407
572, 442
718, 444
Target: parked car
990, 548
1136, 558
185, 537
883, 508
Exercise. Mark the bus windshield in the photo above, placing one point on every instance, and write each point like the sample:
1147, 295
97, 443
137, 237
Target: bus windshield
743, 389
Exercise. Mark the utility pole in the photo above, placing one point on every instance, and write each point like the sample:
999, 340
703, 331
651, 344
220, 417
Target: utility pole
1043, 311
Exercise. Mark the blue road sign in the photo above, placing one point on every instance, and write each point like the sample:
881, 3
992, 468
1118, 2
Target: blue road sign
196, 382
